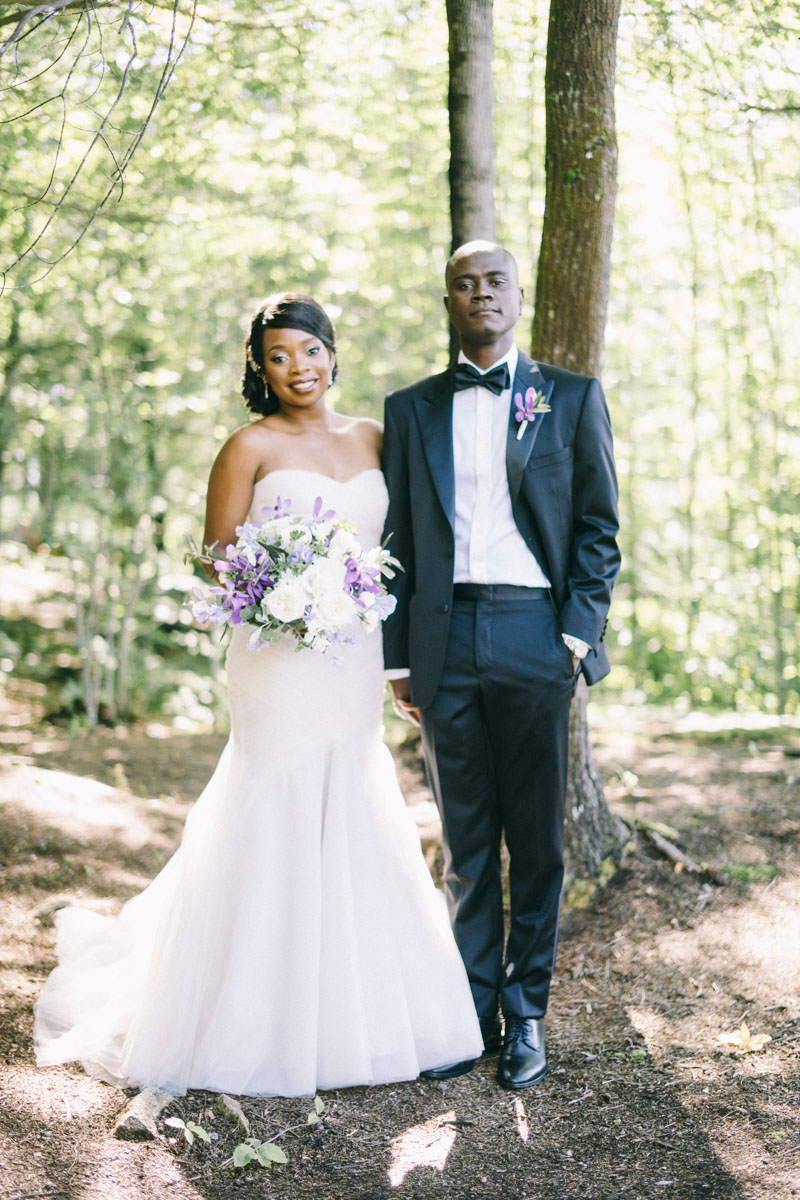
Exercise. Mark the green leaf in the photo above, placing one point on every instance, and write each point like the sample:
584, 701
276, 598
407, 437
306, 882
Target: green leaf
243, 1155
269, 1153
319, 1106
175, 1122
312, 1118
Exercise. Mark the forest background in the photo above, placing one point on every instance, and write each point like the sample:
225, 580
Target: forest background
306, 146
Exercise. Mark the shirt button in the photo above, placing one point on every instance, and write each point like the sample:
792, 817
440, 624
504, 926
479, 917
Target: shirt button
445, 608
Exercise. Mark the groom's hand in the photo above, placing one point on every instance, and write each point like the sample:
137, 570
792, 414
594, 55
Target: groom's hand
401, 700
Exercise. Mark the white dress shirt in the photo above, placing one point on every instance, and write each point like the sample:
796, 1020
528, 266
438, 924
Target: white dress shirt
489, 546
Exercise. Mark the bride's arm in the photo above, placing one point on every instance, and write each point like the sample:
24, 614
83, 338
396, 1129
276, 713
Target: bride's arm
230, 488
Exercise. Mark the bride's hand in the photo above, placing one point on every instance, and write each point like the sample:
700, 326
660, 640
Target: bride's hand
401, 700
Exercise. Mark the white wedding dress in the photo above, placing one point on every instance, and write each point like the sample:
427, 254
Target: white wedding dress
295, 940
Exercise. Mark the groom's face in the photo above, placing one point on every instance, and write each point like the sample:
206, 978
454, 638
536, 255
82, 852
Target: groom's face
484, 298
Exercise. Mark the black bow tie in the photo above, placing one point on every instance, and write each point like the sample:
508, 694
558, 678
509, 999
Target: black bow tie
496, 380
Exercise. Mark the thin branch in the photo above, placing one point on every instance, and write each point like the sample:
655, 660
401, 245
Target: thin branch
745, 106
175, 50
62, 95
46, 10
17, 83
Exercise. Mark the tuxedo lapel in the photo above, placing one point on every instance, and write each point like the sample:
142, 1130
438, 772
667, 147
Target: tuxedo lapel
518, 450
434, 409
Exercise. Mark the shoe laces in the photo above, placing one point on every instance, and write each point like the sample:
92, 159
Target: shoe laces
516, 1028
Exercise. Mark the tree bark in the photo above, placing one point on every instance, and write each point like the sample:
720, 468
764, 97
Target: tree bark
581, 184
470, 102
571, 303
12, 355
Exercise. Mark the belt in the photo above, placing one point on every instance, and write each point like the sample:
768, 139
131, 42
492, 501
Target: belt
497, 591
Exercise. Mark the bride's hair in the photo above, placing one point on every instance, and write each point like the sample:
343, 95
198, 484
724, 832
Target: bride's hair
289, 310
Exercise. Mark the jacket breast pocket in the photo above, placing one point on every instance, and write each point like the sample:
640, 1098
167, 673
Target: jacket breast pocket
559, 458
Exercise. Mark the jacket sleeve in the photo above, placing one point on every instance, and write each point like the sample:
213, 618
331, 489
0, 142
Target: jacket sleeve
398, 536
594, 554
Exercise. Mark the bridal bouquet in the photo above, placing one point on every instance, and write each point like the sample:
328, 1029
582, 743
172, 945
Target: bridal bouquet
303, 576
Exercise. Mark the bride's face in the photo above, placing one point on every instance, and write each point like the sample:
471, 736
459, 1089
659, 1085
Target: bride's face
298, 366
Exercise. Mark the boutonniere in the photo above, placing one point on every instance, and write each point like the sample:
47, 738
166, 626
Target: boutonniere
533, 404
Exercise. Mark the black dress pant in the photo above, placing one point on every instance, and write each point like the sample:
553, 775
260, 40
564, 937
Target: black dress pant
495, 741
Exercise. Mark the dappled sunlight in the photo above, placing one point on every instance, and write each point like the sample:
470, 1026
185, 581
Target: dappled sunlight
755, 952
60, 1127
426, 1145
521, 1119
80, 807
756, 942
60, 1094
738, 1148
656, 1031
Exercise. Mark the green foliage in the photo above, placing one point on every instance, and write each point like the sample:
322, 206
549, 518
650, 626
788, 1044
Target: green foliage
306, 146
188, 1130
253, 1152
751, 872
262, 1154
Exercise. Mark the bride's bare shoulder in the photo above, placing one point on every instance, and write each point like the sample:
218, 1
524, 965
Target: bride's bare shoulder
252, 438
243, 454
367, 431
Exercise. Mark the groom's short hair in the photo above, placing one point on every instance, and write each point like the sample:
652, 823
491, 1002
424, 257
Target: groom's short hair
479, 246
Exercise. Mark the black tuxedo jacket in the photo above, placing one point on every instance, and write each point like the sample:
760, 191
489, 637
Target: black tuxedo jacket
563, 495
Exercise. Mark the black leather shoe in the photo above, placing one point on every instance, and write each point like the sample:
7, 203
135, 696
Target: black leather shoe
492, 1037
523, 1061
450, 1071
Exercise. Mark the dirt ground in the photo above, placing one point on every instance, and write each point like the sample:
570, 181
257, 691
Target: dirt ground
644, 1098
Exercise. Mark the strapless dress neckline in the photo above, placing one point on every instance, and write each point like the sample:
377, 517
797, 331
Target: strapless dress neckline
319, 474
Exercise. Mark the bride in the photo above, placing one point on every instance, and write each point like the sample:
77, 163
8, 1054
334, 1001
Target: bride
295, 940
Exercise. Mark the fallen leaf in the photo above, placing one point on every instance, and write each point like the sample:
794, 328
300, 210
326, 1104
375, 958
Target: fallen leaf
742, 1041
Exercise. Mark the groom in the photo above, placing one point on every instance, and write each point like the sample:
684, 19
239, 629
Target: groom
502, 510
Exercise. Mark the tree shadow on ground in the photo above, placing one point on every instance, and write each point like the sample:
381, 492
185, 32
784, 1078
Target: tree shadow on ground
642, 1101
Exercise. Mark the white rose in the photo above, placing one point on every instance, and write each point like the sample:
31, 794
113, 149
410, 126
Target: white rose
344, 543
287, 601
370, 620
323, 577
276, 526
316, 638
334, 610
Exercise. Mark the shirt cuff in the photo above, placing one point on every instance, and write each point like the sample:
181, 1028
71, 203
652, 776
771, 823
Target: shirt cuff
396, 673
576, 647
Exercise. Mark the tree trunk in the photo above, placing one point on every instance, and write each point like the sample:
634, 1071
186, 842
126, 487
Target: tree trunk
13, 354
571, 302
470, 102
581, 184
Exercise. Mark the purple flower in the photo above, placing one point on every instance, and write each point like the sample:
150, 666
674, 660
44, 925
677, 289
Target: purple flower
281, 508
525, 409
359, 579
317, 510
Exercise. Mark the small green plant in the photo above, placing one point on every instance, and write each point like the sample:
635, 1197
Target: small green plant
188, 1130
264, 1154
751, 872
